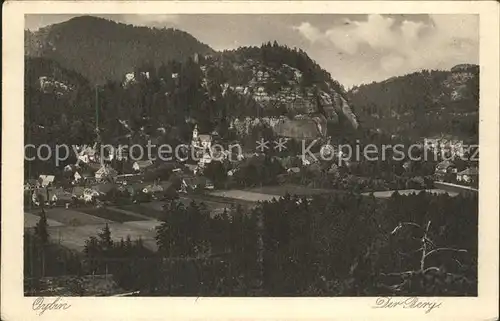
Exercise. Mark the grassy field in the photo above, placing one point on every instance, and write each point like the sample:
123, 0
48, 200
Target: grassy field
109, 214
291, 189
245, 195
74, 237
143, 209
144, 225
72, 227
30, 220
73, 217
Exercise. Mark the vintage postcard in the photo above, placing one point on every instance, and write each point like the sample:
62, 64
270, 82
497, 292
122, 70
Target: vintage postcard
261, 160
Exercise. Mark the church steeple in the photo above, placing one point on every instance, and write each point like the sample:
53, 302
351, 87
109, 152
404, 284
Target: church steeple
195, 132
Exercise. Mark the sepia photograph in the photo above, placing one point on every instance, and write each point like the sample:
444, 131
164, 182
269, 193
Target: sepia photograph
243, 155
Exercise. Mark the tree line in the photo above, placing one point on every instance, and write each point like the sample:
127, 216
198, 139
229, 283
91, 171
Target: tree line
340, 245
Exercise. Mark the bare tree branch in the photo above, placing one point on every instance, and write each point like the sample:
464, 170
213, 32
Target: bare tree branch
445, 249
410, 253
430, 242
404, 224
432, 268
398, 273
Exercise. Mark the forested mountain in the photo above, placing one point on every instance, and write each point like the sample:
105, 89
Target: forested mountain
241, 94
59, 104
286, 82
104, 50
423, 103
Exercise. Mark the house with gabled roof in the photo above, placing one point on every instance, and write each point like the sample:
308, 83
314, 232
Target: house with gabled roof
192, 183
106, 172
31, 183
142, 165
445, 167
46, 180
469, 175
59, 196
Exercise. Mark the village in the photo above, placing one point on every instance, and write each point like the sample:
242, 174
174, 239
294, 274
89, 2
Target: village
93, 180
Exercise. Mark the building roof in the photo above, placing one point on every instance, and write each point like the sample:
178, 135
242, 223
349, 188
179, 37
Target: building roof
469, 171
107, 171
153, 188
144, 163
445, 164
46, 179
205, 138
88, 150
59, 193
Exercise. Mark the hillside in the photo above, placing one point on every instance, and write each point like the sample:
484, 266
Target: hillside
424, 103
58, 103
292, 94
166, 78
103, 50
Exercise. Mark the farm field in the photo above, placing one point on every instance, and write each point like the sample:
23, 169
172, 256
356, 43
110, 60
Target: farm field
74, 237
30, 220
145, 209
245, 195
155, 205
110, 214
144, 225
72, 227
282, 190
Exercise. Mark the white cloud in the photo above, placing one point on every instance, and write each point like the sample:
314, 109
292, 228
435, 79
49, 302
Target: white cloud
310, 32
150, 19
392, 63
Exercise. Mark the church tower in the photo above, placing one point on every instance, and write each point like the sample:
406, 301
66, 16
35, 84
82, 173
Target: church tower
194, 140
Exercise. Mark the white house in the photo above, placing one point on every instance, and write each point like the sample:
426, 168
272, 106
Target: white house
141, 165
34, 198
89, 194
77, 177
105, 172
46, 180
201, 141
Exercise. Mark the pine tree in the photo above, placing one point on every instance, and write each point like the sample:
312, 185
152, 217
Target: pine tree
105, 240
41, 229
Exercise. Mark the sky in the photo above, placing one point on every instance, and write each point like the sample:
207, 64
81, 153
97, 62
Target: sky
355, 49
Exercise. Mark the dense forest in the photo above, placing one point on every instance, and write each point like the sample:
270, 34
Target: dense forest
102, 50
423, 103
275, 55
348, 245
